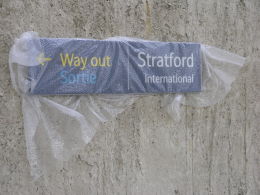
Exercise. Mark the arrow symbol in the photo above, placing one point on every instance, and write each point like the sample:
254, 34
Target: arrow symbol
42, 59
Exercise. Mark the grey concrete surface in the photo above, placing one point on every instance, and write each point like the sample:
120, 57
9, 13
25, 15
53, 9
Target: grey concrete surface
213, 150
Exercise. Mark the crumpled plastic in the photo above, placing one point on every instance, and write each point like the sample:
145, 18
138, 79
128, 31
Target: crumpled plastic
56, 127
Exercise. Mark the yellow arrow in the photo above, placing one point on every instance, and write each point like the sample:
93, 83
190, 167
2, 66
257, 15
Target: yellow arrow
42, 59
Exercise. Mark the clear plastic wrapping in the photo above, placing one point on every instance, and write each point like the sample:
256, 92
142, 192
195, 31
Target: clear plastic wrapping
56, 127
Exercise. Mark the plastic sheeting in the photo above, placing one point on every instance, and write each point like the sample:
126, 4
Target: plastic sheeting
56, 127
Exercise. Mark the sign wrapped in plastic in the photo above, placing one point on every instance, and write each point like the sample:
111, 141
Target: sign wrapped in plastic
70, 86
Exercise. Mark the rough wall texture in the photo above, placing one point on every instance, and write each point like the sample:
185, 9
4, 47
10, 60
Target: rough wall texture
214, 150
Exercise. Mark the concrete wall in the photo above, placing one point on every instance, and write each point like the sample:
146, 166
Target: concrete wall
214, 150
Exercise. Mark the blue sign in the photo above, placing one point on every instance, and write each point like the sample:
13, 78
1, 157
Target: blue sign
84, 66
